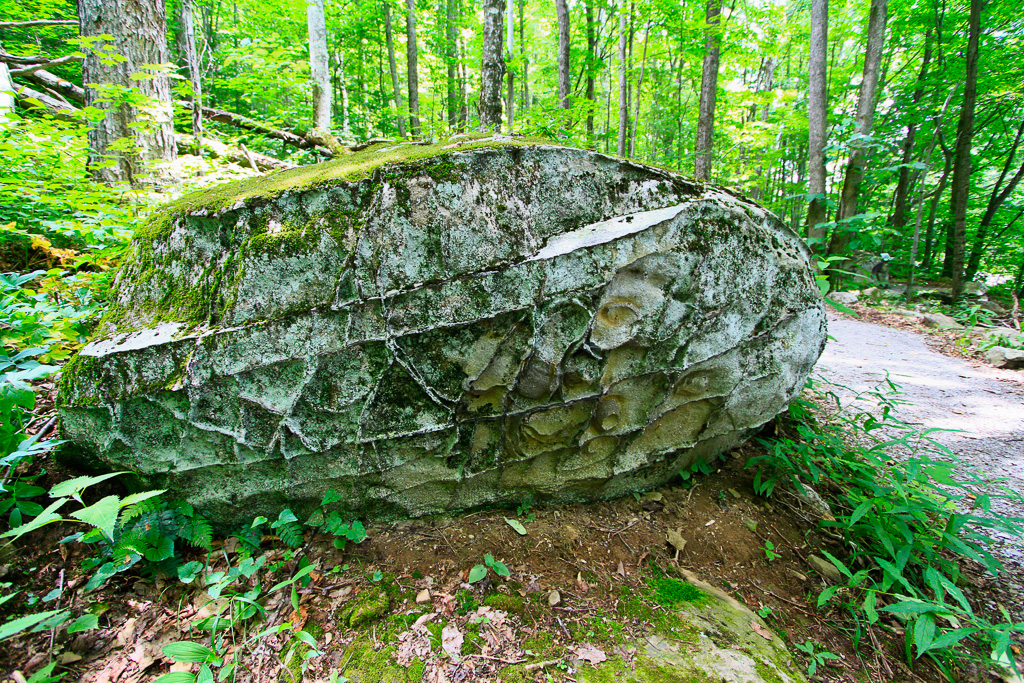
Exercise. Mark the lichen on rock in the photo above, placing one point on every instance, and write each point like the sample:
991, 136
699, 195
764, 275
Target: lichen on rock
427, 329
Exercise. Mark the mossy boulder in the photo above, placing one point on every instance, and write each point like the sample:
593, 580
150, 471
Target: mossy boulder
433, 328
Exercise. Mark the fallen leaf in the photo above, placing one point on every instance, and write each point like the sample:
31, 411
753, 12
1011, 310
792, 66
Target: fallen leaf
761, 631
451, 640
423, 597
621, 570
589, 653
676, 540
554, 598
515, 524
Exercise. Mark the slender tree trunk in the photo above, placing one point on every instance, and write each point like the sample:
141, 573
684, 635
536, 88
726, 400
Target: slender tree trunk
817, 129
393, 66
140, 36
492, 67
929, 239
708, 92
346, 101
996, 199
192, 59
510, 32
522, 54
591, 48
854, 176
451, 62
318, 64
639, 85
623, 88
562, 10
899, 218
413, 76
961, 184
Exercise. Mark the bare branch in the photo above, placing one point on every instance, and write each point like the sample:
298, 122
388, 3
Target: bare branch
29, 70
39, 22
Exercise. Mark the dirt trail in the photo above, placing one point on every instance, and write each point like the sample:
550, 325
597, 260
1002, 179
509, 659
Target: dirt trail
985, 403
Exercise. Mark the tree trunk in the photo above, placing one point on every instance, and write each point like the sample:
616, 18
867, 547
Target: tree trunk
842, 234
493, 67
899, 211
817, 128
623, 88
414, 82
6, 95
708, 92
639, 85
451, 63
591, 48
522, 54
562, 10
996, 199
318, 64
510, 32
928, 256
140, 36
962, 156
393, 66
192, 59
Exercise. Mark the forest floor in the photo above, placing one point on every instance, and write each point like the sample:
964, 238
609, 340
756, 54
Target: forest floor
603, 560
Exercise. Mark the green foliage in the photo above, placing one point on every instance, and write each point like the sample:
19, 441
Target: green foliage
816, 658
769, 551
479, 572
909, 512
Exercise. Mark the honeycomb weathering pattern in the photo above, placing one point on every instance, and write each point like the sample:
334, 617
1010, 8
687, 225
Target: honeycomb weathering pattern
492, 326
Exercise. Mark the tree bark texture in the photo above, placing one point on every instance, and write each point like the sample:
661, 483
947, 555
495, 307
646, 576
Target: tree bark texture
414, 81
493, 67
817, 128
319, 69
396, 89
708, 92
192, 59
961, 183
139, 30
562, 10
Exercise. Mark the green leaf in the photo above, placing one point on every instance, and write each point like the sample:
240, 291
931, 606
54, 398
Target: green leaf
331, 496
86, 622
515, 524
477, 573
189, 653
501, 570
188, 572
295, 598
924, 632
861, 510
139, 497
176, 677
102, 515
827, 594
307, 638
73, 487
205, 674
259, 520
45, 517
16, 626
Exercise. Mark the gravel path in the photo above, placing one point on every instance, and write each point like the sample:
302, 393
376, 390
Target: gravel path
987, 404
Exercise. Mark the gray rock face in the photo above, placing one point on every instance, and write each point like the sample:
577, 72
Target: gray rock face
940, 321
433, 329
1004, 357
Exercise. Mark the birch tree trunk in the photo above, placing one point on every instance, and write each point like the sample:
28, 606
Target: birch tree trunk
623, 87
817, 123
493, 66
393, 66
140, 36
414, 81
961, 182
708, 93
562, 10
854, 175
639, 85
319, 69
192, 59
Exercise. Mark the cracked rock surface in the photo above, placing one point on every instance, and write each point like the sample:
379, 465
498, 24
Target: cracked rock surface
490, 323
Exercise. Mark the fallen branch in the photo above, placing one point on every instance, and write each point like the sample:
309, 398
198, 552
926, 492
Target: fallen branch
245, 123
66, 88
33, 99
241, 156
39, 22
27, 70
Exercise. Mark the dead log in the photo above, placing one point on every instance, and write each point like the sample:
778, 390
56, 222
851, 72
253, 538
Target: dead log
245, 123
219, 150
39, 22
66, 88
32, 68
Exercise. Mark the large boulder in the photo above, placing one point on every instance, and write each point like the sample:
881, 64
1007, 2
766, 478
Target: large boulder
431, 328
